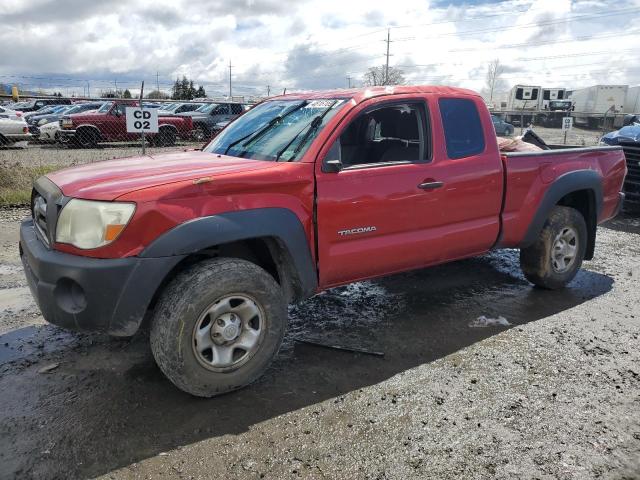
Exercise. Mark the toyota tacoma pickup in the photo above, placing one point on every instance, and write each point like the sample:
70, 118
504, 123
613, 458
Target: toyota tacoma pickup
300, 194
109, 124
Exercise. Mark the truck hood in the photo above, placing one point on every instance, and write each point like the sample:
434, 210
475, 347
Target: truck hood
111, 179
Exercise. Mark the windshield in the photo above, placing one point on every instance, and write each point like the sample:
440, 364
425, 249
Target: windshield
105, 107
276, 130
207, 107
171, 107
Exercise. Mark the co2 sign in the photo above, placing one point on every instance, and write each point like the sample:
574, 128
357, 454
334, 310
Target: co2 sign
142, 120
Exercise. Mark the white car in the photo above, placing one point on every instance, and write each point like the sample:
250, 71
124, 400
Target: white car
13, 131
49, 132
10, 114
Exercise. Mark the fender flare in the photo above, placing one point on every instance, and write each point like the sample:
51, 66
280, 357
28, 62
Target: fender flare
563, 185
278, 223
89, 126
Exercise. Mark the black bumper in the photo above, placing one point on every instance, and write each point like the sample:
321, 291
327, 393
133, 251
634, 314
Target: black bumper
91, 294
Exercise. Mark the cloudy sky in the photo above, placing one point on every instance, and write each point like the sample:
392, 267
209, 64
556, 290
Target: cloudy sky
72, 45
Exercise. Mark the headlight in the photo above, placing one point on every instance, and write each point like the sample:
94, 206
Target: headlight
90, 224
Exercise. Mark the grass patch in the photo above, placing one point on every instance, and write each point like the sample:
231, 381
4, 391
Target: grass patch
16, 182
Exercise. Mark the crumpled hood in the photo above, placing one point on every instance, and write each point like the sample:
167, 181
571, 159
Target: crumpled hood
110, 179
628, 134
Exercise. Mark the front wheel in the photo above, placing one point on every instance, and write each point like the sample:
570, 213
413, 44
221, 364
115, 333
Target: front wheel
556, 256
217, 326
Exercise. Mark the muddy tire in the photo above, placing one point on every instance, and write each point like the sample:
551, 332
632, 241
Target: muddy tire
556, 256
218, 326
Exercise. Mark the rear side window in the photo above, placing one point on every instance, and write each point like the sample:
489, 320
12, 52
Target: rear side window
463, 131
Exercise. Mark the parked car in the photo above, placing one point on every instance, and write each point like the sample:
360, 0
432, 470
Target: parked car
6, 112
501, 127
48, 132
37, 121
206, 118
108, 124
13, 131
44, 116
175, 108
36, 105
628, 137
303, 193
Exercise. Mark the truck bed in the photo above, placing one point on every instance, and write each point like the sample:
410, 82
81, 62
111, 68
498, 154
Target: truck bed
535, 178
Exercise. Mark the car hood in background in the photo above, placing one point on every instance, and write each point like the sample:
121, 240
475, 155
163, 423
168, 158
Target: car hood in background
628, 134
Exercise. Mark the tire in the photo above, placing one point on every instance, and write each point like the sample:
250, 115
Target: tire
201, 134
87, 138
166, 137
181, 328
548, 263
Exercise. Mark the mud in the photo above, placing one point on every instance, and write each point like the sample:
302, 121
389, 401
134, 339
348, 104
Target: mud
552, 392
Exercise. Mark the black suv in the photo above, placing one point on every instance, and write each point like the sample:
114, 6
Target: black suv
212, 117
35, 105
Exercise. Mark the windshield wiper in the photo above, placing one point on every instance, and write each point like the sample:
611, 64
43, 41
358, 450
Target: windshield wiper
253, 136
312, 127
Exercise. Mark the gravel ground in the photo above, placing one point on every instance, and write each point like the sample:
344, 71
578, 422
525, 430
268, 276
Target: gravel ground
553, 392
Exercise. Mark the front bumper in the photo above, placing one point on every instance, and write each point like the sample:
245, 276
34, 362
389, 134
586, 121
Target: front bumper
18, 137
91, 294
66, 135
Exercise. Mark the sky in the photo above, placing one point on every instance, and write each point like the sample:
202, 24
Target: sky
75, 46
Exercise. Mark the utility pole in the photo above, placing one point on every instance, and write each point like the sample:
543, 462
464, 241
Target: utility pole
157, 83
386, 68
349, 81
268, 90
88, 89
115, 82
230, 79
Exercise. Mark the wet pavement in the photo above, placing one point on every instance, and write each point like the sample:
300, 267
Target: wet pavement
450, 398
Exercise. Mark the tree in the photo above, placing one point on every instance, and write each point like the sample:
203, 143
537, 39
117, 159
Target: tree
493, 82
126, 94
200, 93
158, 95
377, 76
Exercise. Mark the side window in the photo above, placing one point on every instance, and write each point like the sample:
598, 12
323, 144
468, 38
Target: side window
518, 94
119, 108
463, 131
236, 108
221, 109
391, 133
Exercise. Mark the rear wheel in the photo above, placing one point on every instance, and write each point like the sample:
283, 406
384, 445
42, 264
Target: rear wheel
201, 134
556, 256
217, 326
166, 137
87, 138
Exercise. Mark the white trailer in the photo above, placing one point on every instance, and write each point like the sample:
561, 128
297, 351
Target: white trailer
632, 101
551, 94
592, 103
524, 97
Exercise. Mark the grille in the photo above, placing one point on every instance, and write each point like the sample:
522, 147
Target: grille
632, 180
39, 213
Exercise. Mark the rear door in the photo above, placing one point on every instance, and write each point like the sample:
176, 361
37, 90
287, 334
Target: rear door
401, 201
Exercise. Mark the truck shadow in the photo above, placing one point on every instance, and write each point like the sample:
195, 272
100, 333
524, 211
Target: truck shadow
107, 405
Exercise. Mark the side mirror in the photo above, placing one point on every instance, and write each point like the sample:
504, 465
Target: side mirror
332, 166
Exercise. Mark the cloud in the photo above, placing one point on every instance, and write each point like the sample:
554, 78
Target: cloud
313, 44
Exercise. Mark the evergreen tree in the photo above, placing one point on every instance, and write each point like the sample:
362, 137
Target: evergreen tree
126, 94
200, 93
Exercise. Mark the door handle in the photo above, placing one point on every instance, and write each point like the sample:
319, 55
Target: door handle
430, 185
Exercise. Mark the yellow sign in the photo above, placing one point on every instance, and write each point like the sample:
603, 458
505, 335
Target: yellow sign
14, 93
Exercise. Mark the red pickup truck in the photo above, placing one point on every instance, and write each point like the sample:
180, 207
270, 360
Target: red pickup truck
108, 124
302, 193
